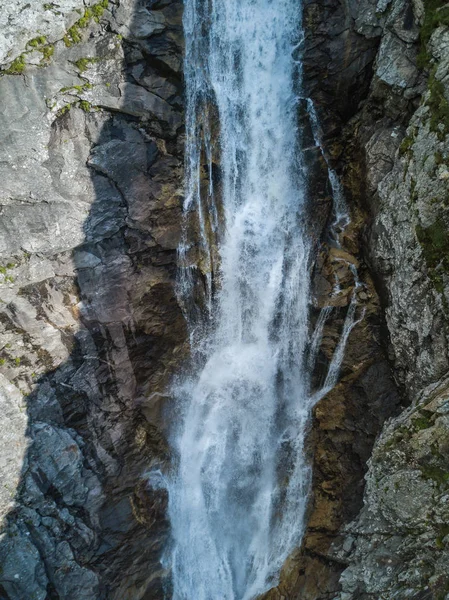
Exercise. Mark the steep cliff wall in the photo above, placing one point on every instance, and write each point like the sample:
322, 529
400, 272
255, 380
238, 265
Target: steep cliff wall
398, 546
389, 143
91, 175
378, 74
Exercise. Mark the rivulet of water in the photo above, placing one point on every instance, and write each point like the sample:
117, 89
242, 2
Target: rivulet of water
238, 497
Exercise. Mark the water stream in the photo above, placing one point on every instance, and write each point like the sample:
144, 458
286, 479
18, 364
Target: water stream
238, 498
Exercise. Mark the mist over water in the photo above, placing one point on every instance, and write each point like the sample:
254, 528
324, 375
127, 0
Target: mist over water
238, 498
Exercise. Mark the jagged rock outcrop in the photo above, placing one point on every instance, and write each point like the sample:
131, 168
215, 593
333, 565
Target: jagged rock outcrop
391, 153
91, 119
399, 543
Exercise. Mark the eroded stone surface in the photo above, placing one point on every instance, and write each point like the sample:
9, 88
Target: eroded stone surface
90, 330
91, 170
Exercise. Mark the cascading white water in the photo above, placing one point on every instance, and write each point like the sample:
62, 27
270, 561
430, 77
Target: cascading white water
238, 498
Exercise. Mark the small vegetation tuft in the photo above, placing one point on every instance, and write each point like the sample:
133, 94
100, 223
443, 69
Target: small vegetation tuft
85, 105
37, 41
436, 14
434, 242
83, 63
17, 66
95, 12
439, 107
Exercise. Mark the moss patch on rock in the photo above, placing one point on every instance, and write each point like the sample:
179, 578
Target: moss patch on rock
436, 14
17, 66
434, 241
73, 35
439, 107
436, 474
83, 63
37, 41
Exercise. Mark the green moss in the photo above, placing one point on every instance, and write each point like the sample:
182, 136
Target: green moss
439, 159
97, 11
443, 532
17, 66
439, 107
86, 106
53, 7
17, 361
434, 473
73, 36
64, 110
441, 594
83, 63
77, 88
37, 41
421, 423
434, 241
406, 145
94, 12
436, 14
5, 269
85, 19
413, 191
2, 362
48, 51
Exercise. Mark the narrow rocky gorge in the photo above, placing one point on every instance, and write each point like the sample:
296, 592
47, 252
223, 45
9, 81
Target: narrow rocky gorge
91, 332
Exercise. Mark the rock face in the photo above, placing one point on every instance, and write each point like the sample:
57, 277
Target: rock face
383, 107
390, 148
399, 543
397, 547
91, 169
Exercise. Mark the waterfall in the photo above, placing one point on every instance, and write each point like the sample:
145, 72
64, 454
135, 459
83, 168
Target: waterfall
238, 497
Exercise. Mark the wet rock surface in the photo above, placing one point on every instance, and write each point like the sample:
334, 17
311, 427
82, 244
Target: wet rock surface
90, 330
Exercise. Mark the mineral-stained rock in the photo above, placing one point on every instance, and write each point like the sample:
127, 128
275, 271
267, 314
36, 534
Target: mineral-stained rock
390, 151
399, 540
